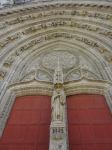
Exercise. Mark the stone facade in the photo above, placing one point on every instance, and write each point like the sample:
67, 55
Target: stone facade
35, 34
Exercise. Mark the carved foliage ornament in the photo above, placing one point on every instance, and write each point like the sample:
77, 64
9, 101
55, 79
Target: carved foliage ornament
8, 61
9, 40
2, 72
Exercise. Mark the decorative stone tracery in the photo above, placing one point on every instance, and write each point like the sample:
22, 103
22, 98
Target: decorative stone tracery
38, 74
67, 59
80, 72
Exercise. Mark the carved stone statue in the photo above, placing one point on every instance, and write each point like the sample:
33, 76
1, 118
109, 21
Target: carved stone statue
58, 101
58, 97
58, 125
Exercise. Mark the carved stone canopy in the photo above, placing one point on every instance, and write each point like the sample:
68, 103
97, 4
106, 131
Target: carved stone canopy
58, 74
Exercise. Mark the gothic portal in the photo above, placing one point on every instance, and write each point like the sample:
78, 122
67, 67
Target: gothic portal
55, 75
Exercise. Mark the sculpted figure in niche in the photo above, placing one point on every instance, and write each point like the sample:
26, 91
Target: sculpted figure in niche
58, 101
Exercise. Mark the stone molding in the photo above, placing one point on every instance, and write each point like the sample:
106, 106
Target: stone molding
48, 4
27, 88
69, 13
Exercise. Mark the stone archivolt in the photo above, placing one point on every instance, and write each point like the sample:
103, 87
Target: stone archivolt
9, 40
66, 36
63, 4
85, 26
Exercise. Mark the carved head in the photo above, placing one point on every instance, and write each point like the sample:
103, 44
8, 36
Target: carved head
58, 90
58, 87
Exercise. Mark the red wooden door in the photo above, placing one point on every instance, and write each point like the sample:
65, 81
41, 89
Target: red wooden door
89, 123
28, 125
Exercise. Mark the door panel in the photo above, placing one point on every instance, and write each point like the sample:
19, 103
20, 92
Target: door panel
86, 133
32, 133
18, 147
20, 135
89, 123
75, 133
30, 147
28, 125
6, 146
10, 133
43, 131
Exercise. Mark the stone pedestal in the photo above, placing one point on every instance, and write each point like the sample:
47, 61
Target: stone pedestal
58, 137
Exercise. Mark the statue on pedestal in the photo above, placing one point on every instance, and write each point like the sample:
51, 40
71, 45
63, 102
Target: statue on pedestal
58, 125
58, 101
58, 97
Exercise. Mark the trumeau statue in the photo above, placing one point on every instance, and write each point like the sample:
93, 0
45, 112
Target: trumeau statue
58, 97
58, 125
58, 101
